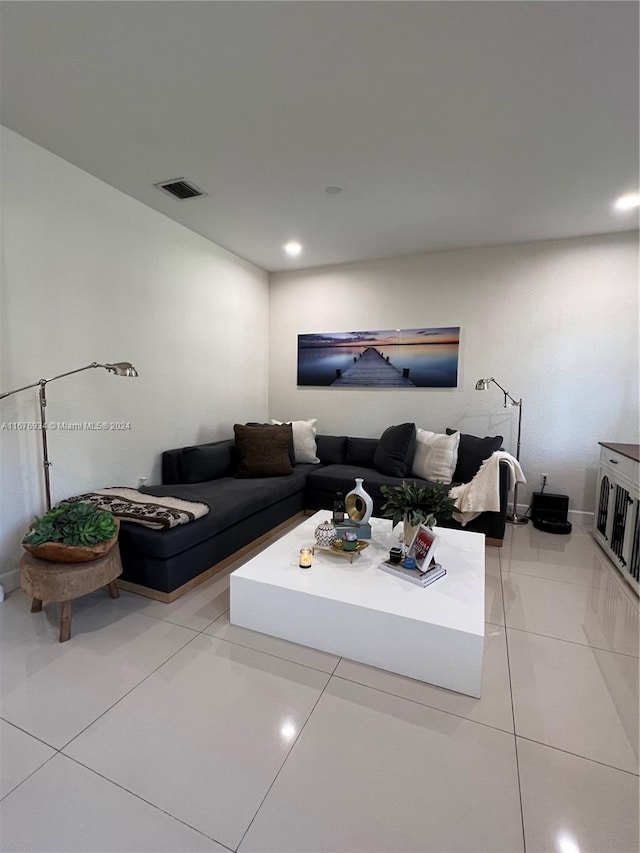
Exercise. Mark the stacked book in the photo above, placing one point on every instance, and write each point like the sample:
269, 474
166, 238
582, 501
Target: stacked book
416, 576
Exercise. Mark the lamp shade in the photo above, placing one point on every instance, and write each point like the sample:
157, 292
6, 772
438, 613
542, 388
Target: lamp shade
122, 368
482, 384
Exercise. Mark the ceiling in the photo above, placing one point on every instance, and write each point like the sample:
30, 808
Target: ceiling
446, 124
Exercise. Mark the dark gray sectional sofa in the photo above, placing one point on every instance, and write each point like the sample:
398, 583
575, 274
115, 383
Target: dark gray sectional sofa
164, 562
345, 458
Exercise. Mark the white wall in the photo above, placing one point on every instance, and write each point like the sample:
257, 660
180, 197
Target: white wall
555, 322
89, 274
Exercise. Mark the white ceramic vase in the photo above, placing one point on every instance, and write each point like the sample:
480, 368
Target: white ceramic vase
359, 504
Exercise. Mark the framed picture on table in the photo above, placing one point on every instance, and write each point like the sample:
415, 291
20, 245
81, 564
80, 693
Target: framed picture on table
423, 547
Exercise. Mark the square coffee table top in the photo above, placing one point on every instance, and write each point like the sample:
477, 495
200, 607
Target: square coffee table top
454, 601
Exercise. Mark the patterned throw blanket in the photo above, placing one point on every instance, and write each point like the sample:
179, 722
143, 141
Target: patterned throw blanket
148, 510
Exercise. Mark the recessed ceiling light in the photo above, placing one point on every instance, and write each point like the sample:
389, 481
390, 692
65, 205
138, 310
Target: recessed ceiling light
628, 202
293, 249
333, 190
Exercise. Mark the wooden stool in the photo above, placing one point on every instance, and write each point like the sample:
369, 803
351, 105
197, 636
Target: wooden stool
45, 580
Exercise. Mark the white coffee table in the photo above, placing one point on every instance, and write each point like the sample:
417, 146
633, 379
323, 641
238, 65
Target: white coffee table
358, 611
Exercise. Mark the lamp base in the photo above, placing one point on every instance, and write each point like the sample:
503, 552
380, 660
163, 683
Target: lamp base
514, 518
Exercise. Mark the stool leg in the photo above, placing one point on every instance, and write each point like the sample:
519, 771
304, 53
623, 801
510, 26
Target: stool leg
65, 621
113, 590
36, 605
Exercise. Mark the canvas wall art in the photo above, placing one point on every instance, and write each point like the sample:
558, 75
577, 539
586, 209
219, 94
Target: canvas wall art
392, 358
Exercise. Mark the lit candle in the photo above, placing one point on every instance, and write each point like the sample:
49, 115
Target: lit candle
305, 558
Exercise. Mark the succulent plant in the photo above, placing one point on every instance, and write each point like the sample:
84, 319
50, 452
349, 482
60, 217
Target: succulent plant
72, 524
417, 503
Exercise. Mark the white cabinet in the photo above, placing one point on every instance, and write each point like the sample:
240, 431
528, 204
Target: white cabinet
617, 518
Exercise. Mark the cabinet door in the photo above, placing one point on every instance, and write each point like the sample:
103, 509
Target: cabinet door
619, 507
616, 520
602, 514
633, 566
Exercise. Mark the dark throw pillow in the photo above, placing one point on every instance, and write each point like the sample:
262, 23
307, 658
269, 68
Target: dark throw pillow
290, 450
472, 451
395, 450
262, 451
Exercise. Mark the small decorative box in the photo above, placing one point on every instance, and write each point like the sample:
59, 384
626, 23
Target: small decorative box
362, 531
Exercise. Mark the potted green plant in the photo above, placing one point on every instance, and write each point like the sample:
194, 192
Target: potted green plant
414, 504
72, 533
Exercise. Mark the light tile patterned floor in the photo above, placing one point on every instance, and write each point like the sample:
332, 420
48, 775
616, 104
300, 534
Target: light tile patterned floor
163, 727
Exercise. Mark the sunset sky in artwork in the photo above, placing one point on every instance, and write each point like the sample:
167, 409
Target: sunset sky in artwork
383, 338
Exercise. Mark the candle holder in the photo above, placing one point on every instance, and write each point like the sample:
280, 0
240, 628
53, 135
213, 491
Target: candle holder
305, 558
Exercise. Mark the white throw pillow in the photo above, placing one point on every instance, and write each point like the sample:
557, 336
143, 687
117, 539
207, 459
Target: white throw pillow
304, 440
436, 455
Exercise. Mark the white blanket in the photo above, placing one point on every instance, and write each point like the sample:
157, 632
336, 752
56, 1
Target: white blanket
482, 494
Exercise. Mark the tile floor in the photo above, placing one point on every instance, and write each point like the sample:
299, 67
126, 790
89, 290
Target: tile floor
164, 728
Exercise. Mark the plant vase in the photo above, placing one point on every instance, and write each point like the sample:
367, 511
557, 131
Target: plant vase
409, 530
414, 504
76, 531
59, 552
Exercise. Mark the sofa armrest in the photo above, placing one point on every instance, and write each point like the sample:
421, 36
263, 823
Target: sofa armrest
171, 466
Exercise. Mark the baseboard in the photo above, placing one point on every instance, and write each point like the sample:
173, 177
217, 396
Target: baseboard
10, 581
168, 597
582, 516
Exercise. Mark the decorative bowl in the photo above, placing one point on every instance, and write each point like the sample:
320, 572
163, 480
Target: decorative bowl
339, 545
58, 552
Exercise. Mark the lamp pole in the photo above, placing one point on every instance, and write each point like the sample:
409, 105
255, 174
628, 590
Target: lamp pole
120, 368
514, 518
42, 395
482, 385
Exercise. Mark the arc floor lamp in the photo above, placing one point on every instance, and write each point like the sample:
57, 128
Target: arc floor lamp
482, 385
119, 368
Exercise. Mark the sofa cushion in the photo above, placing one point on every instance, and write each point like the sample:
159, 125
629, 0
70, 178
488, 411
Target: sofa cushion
360, 451
207, 462
262, 451
472, 451
332, 449
342, 478
395, 450
436, 455
304, 440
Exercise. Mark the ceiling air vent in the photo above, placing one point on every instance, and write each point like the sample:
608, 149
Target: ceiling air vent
179, 188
